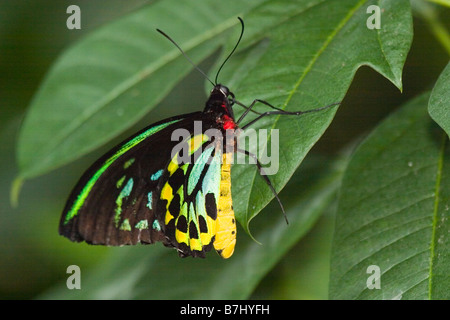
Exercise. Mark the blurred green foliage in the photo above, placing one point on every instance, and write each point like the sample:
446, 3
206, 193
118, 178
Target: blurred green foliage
34, 257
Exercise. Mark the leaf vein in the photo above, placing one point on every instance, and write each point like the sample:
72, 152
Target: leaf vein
380, 249
435, 211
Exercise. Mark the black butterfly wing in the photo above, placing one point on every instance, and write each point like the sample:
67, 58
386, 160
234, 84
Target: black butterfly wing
114, 201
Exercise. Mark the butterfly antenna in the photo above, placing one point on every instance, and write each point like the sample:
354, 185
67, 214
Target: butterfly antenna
185, 55
232, 51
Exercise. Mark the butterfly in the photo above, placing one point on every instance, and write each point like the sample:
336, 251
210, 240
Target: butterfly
144, 191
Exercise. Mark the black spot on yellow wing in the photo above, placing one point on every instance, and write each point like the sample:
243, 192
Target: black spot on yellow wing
174, 207
193, 234
202, 224
182, 224
211, 206
176, 180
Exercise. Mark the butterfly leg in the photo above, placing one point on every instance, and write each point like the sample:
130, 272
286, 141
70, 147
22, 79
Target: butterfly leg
250, 108
264, 176
277, 111
247, 109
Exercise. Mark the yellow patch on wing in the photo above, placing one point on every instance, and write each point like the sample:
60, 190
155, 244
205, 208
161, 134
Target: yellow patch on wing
181, 237
169, 217
195, 244
167, 192
196, 142
206, 237
173, 165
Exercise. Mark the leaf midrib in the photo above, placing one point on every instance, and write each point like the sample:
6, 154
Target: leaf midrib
302, 77
435, 212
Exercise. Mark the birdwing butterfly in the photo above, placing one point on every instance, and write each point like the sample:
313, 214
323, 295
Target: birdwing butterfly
140, 191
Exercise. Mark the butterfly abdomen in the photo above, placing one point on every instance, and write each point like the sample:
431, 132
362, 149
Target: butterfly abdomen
225, 238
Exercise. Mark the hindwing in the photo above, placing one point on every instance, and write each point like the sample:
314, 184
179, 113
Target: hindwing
189, 197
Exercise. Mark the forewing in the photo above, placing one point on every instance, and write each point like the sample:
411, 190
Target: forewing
113, 203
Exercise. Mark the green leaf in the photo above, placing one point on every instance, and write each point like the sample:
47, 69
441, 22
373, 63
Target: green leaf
303, 273
439, 104
307, 60
156, 272
394, 212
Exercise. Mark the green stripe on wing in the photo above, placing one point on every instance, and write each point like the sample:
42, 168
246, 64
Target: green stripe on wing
90, 184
